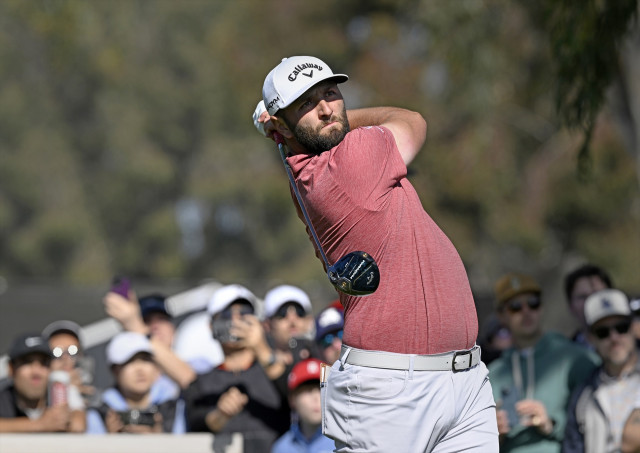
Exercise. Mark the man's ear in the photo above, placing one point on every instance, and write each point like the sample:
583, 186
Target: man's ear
281, 127
11, 370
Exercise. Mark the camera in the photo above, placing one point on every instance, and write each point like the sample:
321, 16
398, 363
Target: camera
220, 330
509, 400
137, 417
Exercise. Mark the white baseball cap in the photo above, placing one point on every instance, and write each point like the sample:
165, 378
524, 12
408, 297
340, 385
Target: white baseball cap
226, 295
604, 303
282, 294
292, 77
125, 345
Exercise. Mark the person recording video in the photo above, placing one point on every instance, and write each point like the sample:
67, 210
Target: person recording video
238, 396
131, 406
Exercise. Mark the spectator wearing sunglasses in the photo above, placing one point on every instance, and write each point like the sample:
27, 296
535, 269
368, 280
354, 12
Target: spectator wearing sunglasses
329, 330
65, 339
289, 325
532, 381
599, 409
578, 285
238, 396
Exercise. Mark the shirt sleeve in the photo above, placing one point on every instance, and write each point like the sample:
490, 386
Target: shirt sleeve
368, 164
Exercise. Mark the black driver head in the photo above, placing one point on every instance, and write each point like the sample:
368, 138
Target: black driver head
356, 274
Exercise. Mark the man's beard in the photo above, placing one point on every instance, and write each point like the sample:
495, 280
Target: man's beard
316, 143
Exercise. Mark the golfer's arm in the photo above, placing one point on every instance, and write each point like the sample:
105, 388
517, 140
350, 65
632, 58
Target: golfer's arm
408, 128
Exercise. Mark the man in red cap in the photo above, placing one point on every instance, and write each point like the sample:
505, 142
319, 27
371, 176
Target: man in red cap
305, 434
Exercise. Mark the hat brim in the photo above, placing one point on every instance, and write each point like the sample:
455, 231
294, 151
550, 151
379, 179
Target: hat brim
338, 78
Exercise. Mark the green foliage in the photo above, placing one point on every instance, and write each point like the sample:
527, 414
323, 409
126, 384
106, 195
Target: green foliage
585, 37
113, 117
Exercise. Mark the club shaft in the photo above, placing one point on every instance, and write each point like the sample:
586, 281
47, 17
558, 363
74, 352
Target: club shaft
301, 204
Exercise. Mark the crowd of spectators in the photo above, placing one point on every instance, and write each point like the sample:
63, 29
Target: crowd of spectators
254, 367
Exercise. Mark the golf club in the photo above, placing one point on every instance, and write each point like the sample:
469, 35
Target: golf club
356, 273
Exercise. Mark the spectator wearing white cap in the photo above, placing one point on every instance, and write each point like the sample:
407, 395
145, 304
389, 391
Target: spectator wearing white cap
289, 325
132, 405
148, 316
598, 410
238, 396
305, 434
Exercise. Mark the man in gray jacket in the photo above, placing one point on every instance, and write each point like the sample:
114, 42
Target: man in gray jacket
599, 409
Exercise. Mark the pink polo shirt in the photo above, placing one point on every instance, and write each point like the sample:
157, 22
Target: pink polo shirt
359, 198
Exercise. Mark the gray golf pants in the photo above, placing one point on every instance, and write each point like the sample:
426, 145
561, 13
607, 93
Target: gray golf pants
368, 409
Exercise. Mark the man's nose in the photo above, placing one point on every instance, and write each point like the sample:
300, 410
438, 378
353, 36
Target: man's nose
38, 367
292, 315
324, 108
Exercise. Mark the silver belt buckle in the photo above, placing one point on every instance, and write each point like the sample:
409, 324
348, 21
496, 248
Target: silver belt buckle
459, 354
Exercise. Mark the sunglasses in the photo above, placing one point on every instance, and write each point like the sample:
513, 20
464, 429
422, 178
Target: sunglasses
59, 351
514, 305
284, 309
327, 340
245, 309
603, 332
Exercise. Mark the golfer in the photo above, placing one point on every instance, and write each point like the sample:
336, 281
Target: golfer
409, 377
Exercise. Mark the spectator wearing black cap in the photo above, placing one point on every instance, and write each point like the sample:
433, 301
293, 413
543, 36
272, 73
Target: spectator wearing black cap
65, 339
599, 409
149, 316
153, 310
329, 330
133, 405
578, 285
305, 434
23, 403
533, 380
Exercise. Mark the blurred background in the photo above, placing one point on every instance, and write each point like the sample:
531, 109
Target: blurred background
127, 146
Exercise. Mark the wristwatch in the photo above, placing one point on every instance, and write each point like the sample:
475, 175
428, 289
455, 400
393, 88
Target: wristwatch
271, 361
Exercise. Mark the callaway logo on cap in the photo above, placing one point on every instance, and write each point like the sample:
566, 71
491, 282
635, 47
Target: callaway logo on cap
292, 77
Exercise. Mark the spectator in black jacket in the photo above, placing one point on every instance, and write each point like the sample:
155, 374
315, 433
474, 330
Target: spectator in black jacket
24, 405
238, 396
